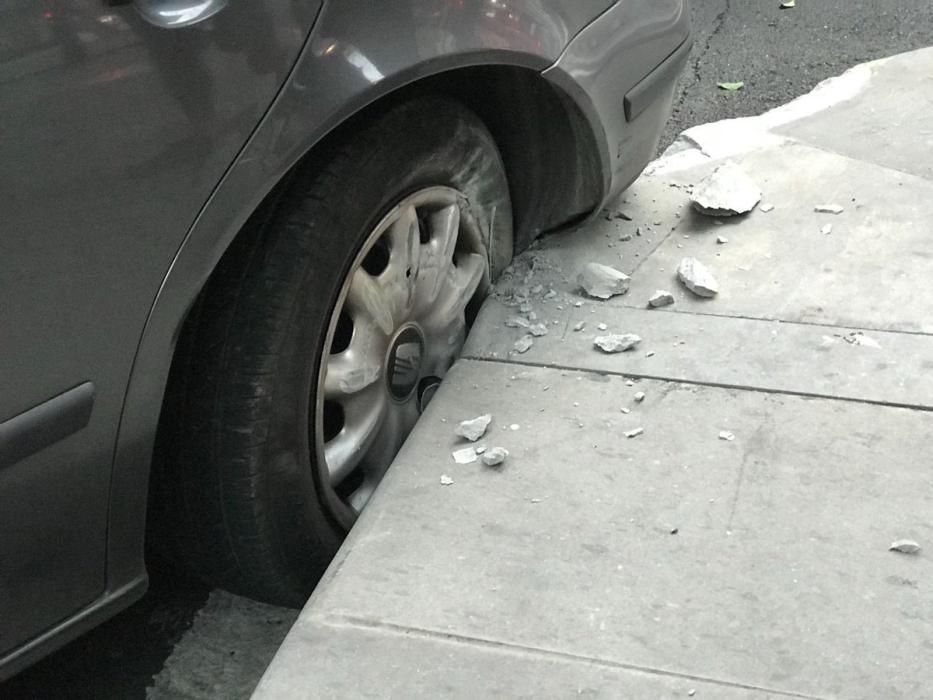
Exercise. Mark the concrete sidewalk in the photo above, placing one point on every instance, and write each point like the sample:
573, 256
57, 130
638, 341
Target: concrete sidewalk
677, 563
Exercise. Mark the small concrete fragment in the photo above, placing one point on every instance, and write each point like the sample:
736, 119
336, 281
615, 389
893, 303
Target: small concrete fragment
446, 480
726, 435
828, 209
766, 208
727, 191
601, 327
517, 322
466, 455
905, 547
523, 344
616, 342
537, 330
494, 456
697, 278
474, 428
722, 240
660, 298
601, 281
579, 326
827, 229
639, 396
634, 433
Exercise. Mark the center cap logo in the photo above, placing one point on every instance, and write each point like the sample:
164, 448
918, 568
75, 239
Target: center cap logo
405, 359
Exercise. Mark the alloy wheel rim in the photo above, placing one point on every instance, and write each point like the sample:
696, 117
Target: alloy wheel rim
399, 323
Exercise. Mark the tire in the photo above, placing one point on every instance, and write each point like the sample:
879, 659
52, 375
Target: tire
241, 492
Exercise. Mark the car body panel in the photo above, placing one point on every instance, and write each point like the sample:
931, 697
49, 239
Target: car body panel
116, 131
125, 202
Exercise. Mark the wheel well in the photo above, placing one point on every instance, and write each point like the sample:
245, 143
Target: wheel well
550, 157
547, 145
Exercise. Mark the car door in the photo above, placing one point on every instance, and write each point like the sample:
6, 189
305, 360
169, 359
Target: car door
117, 120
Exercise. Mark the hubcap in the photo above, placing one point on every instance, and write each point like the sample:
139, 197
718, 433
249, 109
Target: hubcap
398, 325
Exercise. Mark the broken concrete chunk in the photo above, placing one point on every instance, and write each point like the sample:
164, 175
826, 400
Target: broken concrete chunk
494, 456
727, 191
766, 208
639, 396
523, 344
726, 435
859, 338
601, 281
616, 342
828, 209
904, 547
538, 330
474, 428
660, 298
517, 322
601, 327
466, 455
827, 229
625, 237
550, 294
634, 433
580, 326
722, 240
697, 278
480, 449
446, 480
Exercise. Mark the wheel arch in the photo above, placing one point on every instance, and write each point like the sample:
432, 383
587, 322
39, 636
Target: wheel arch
555, 170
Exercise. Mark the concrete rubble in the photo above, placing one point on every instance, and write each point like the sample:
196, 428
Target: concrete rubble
602, 282
465, 455
660, 298
727, 191
616, 342
828, 209
494, 456
696, 277
905, 547
523, 344
474, 428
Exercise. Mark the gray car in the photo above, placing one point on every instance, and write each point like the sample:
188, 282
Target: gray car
240, 245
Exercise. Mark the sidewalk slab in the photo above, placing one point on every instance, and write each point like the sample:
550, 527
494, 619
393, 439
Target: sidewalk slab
605, 566
778, 577
890, 123
774, 356
407, 665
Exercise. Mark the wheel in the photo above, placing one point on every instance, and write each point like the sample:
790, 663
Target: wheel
319, 341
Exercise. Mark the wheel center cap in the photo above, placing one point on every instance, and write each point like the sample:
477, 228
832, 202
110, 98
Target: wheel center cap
404, 363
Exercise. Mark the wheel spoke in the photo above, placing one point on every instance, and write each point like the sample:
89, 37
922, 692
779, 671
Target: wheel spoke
364, 416
458, 288
400, 278
360, 364
367, 297
348, 374
437, 254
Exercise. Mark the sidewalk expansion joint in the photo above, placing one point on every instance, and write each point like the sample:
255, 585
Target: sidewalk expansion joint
697, 382
761, 319
350, 621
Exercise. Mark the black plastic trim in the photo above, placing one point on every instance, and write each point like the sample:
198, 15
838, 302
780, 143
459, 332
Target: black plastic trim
640, 97
45, 424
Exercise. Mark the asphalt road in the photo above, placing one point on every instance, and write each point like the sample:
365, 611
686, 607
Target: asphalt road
778, 54
781, 54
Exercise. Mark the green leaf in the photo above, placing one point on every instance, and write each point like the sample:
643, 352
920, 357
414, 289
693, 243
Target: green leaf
732, 87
